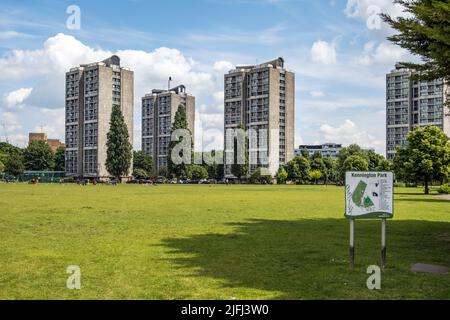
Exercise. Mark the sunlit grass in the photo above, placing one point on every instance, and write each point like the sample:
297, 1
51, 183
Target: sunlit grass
212, 242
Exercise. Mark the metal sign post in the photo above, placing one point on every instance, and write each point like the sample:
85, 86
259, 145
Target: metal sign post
369, 195
383, 243
352, 244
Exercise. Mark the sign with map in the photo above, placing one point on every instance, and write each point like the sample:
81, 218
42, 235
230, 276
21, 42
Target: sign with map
369, 195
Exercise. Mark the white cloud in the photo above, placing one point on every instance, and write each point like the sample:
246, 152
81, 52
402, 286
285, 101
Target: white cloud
349, 133
385, 54
317, 94
10, 34
361, 8
10, 122
298, 140
324, 52
17, 97
47, 67
223, 66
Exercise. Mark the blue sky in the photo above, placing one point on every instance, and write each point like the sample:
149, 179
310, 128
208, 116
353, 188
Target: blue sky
337, 48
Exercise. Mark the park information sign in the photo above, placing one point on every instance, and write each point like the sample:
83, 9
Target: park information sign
369, 195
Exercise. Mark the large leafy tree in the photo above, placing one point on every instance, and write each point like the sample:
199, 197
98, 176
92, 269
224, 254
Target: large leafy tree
425, 32
355, 163
119, 149
8, 149
197, 172
38, 156
377, 162
60, 159
14, 165
344, 153
180, 122
142, 161
298, 169
425, 158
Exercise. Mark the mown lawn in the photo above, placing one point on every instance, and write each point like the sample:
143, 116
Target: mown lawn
212, 242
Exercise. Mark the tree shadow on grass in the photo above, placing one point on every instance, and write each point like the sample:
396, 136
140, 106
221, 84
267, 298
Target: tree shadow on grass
308, 259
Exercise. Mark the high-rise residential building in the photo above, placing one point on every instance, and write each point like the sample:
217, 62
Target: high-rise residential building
413, 103
261, 98
91, 92
158, 114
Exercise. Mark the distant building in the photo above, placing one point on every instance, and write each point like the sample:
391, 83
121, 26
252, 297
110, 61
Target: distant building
91, 92
262, 98
158, 113
327, 150
53, 143
411, 104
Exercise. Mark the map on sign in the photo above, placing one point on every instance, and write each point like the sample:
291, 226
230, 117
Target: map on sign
369, 195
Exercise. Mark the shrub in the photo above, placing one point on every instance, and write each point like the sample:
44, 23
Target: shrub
444, 189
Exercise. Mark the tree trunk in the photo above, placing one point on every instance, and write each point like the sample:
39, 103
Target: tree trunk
427, 188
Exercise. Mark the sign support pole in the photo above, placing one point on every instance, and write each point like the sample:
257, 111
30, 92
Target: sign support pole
383, 243
352, 244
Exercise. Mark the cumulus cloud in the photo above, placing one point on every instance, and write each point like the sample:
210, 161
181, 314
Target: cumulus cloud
324, 52
349, 133
384, 53
47, 66
17, 97
362, 8
223, 66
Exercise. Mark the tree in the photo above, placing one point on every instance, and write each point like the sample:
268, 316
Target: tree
140, 174
2, 167
197, 172
377, 162
8, 149
38, 156
118, 146
180, 122
351, 150
60, 159
425, 158
142, 161
318, 164
14, 165
330, 173
425, 32
282, 175
240, 170
315, 175
355, 163
303, 167
215, 170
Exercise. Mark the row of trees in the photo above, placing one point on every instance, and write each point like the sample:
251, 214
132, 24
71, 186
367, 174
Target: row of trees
317, 169
38, 156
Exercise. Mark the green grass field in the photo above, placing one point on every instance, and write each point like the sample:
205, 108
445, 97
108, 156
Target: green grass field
212, 242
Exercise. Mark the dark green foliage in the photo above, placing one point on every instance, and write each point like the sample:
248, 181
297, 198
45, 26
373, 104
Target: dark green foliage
426, 33
60, 159
142, 161
119, 149
14, 165
140, 174
197, 172
179, 170
38, 156
425, 158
